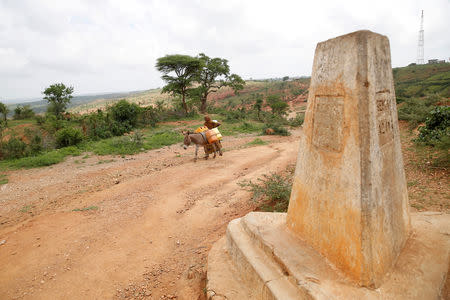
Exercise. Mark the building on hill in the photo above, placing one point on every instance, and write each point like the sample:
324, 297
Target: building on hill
436, 61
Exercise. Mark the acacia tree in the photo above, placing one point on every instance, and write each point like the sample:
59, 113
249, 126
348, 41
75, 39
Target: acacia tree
4, 111
185, 68
58, 97
213, 74
258, 105
278, 106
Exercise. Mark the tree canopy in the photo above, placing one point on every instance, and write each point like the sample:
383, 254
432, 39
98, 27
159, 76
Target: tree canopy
278, 106
23, 112
213, 74
4, 111
58, 97
182, 72
179, 72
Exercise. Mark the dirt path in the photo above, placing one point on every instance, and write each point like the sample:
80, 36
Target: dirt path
151, 222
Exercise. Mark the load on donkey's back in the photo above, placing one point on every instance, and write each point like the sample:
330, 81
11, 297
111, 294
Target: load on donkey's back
207, 136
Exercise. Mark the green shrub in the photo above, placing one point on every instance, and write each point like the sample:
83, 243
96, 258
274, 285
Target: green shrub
124, 112
277, 128
150, 115
436, 131
23, 112
416, 110
137, 137
299, 92
298, 120
118, 129
68, 137
97, 125
274, 189
40, 120
13, 148
52, 123
235, 115
35, 138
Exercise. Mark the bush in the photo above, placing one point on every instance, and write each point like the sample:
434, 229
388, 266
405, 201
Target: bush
97, 125
52, 123
299, 91
298, 120
23, 112
416, 110
68, 137
436, 131
150, 115
277, 128
235, 115
125, 113
35, 141
118, 129
274, 190
40, 120
13, 148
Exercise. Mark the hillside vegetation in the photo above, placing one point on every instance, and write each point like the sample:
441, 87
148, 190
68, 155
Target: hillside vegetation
422, 80
266, 106
140, 122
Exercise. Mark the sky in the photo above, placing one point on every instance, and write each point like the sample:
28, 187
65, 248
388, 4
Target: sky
105, 46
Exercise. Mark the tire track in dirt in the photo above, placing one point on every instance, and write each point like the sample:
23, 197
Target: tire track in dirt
149, 237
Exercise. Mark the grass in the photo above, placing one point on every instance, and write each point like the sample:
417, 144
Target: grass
412, 183
25, 209
241, 127
257, 142
41, 160
3, 179
86, 208
123, 145
419, 80
272, 191
14, 123
104, 161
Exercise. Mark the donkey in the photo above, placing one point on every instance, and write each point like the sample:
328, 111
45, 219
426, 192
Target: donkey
199, 140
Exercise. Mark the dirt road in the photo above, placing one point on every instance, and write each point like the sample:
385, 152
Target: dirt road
146, 228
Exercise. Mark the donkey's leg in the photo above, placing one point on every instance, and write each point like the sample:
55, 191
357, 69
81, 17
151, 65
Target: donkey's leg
219, 146
205, 147
196, 151
215, 149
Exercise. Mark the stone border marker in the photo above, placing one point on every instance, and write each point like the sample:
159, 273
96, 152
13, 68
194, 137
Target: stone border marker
349, 199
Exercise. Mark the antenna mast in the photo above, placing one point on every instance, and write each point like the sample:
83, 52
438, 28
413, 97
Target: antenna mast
421, 43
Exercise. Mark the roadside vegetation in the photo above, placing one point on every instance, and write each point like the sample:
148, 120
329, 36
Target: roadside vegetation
271, 191
423, 110
29, 140
423, 93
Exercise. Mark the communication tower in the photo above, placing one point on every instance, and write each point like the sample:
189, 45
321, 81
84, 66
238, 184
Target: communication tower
421, 43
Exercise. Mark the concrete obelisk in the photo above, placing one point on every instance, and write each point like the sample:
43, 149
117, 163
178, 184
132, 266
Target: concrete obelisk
349, 198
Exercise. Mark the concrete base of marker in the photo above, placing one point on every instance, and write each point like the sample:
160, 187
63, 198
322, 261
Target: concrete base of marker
259, 258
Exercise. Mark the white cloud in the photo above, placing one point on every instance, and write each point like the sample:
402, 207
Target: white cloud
105, 46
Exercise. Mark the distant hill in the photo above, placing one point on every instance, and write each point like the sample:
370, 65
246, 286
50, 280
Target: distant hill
40, 106
420, 80
410, 81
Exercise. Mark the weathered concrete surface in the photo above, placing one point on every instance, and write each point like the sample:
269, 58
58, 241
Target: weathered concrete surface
261, 259
349, 199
